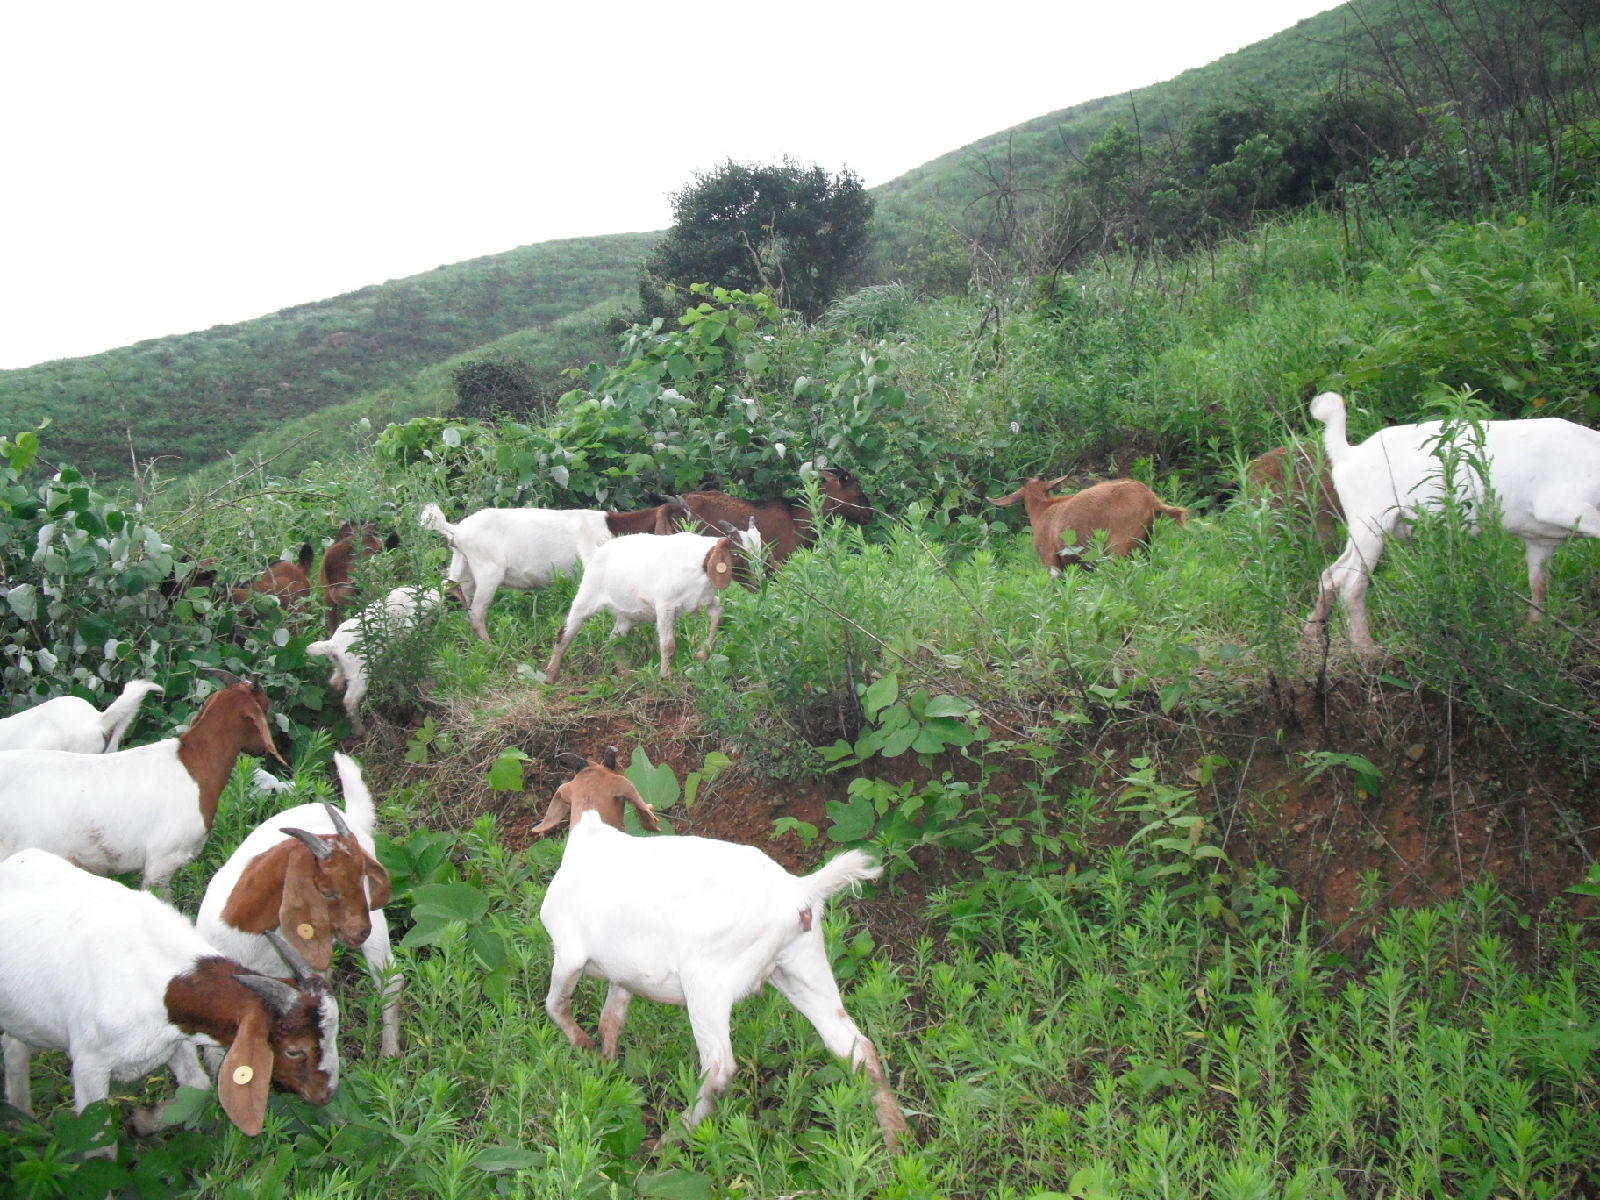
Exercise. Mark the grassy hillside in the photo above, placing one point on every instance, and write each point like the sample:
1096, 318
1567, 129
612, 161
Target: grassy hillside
189, 399
1176, 903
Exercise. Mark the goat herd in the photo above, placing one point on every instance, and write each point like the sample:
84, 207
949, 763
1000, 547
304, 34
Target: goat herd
124, 982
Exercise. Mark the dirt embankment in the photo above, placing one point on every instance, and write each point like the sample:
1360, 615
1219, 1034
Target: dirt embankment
1454, 801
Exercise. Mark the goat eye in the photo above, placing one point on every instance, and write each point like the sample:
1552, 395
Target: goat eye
295, 1052
327, 895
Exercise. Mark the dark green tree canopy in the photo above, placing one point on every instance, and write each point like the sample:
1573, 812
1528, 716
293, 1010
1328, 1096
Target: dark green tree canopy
792, 230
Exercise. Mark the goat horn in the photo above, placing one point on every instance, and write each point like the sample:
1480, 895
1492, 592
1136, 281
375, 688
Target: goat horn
278, 995
312, 842
611, 758
340, 825
292, 958
228, 678
568, 758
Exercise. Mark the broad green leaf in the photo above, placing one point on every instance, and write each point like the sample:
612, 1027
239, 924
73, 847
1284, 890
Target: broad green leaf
881, 694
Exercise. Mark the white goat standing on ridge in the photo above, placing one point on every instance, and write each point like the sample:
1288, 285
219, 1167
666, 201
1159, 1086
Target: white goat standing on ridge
655, 578
701, 923
1544, 475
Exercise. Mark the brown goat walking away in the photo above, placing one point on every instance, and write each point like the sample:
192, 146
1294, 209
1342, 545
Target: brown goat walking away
785, 524
1125, 508
1297, 478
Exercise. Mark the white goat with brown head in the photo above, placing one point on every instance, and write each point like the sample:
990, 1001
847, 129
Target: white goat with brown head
311, 874
121, 981
146, 809
701, 923
655, 578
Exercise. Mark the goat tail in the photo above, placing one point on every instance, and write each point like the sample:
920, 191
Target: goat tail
432, 517
114, 720
845, 870
1329, 409
358, 807
1178, 514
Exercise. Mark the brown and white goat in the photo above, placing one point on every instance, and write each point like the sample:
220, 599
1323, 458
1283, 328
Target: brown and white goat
311, 874
123, 983
523, 548
701, 923
1125, 508
145, 809
335, 573
655, 579
785, 524
600, 788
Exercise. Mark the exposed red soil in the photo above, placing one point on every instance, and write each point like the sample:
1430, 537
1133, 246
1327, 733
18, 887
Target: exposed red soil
1456, 802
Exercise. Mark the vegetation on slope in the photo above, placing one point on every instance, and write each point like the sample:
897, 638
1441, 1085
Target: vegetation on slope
1086, 975
195, 397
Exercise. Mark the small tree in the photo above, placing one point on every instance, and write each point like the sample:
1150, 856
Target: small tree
793, 231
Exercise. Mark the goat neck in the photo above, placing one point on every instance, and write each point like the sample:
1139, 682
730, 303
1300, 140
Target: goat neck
231, 721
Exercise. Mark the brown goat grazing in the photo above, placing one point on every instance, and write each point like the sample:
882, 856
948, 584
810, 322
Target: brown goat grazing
785, 524
289, 581
598, 786
1297, 479
338, 561
1124, 508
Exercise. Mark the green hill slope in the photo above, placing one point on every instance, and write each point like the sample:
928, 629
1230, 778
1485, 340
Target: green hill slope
195, 397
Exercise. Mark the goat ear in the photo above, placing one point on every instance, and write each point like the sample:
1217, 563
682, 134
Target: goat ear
556, 813
253, 905
246, 1076
1007, 501
1056, 482
257, 716
392, 542
303, 914
647, 815
718, 564
378, 887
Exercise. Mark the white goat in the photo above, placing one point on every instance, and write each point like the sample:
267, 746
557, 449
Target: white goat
73, 724
1544, 475
123, 983
655, 579
701, 923
146, 809
311, 874
522, 548
396, 613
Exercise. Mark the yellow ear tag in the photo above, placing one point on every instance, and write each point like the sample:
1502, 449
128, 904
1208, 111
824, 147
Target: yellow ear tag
243, 1074
722, 568
306, 931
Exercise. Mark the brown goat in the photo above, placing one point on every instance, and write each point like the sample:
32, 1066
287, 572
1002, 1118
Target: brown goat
1125, 508
785, 524
289, 581
600, 787
1297, 479
334, 576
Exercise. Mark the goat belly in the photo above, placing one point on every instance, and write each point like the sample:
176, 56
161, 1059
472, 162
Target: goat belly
658, 983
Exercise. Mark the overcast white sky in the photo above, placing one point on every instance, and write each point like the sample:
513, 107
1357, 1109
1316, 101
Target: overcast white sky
172, 166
